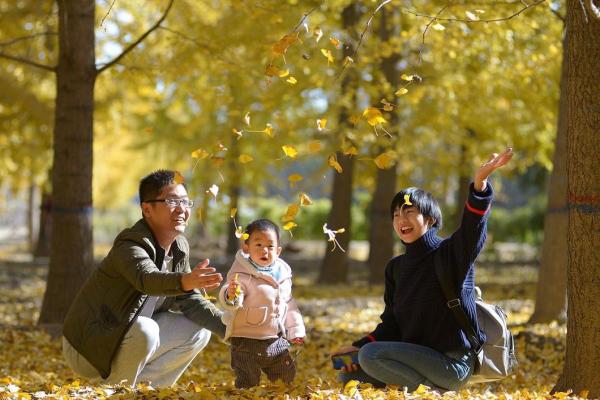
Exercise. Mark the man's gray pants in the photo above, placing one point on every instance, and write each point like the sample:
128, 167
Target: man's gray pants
156, 349
251, 356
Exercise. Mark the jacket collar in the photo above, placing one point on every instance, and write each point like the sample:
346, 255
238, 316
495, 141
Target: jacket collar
243, 265
423, 245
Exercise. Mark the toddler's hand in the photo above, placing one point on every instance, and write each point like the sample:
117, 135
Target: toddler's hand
234, 289
298, 341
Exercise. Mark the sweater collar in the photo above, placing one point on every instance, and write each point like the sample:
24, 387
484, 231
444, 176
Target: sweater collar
423, 245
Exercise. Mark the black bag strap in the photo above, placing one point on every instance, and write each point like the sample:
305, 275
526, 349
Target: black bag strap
454, 303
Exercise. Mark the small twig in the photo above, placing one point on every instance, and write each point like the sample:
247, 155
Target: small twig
477, 20
362, 35
20, 39
108, 12
304, 19
425, 32
28, 62
138, 41
558, 15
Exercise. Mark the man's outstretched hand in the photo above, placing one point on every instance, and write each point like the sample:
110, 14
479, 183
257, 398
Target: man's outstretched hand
496, 161
201, 277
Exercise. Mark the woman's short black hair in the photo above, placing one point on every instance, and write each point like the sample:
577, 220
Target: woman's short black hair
263, 225
151, 185
422, 200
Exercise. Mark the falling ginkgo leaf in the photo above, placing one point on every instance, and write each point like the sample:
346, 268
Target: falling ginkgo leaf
387, 106
335, 41
200, 154
318, 33
408, 78
401, 91
268, 130
290, 213
290, 151
245, 158
438, 27
374, 116
214, 190
289, 226
305, 200
385, 160
350, 150
247, 118
291, 80
331, 236
294, 178
348, 60
328, 55
321, 124
178, 178
240, 234
333, 162
283, 44
283, 74
237, 132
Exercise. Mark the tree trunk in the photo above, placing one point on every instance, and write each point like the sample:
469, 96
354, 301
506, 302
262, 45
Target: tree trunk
335, 265
381, 237
31, 214
582, 361
71, 254
551, 293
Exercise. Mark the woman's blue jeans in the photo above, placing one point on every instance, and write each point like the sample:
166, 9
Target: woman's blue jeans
407, 364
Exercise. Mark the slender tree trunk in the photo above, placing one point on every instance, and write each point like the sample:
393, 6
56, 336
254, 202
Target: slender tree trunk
551, 294
335, 265
31, 213
582, 361
381, 238
71, 255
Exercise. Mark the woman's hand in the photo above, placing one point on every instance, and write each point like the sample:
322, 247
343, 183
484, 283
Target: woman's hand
496, 161
343, 350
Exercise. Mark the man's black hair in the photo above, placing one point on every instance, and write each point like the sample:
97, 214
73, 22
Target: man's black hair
263, 225
151, 185
422, 200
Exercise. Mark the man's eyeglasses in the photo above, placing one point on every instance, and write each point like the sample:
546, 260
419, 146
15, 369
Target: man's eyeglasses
187, 203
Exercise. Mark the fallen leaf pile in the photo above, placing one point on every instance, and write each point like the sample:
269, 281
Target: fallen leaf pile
32, 367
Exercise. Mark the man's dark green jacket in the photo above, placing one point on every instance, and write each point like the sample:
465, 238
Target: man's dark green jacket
113, 296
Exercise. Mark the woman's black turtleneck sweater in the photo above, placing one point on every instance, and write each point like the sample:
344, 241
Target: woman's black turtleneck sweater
415, 306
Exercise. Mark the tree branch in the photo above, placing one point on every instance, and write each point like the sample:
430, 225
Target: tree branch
471, 21
20, 39
138, 41
27, 62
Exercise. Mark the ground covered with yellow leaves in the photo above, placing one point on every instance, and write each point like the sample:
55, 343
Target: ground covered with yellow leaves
31, 365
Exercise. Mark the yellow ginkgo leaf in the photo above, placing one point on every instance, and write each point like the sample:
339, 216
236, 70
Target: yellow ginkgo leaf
214, 190
305, 200
471, 16
348, 60
335, 41
178, 178
374, 116
245, 158
200, 154
350, 150
385, 160
387, 106
351, 388
333, 162
247, 118
294, 178
268, 130
401, 91
283, 74
272, 70
233, 212
281, 46
438, 27
240, 234
407, 200
321, 124
315, 146
238, 132
290, 213
290, 151
291, 80
407, 77
290, 225
318, 33
328, 55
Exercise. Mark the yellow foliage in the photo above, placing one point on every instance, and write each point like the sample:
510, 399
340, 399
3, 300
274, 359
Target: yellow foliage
374, 116
333, 162
245, 158
290, 151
